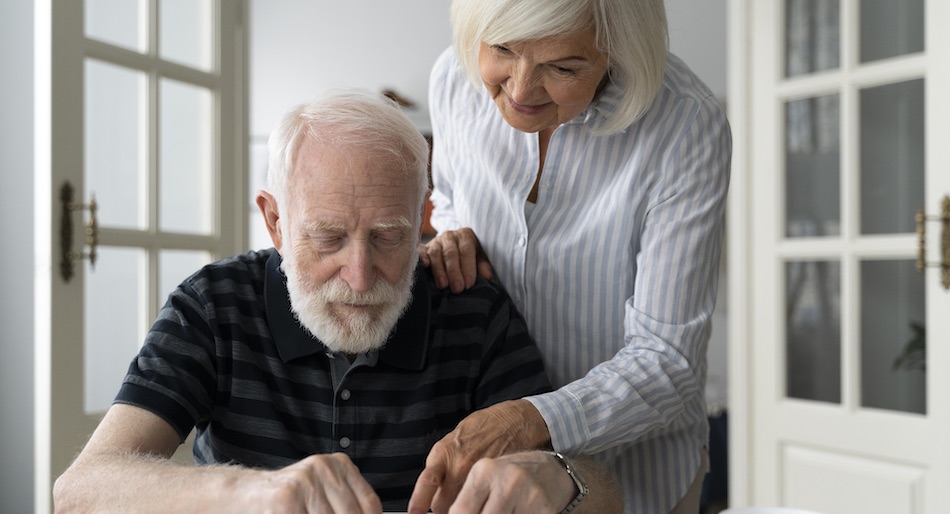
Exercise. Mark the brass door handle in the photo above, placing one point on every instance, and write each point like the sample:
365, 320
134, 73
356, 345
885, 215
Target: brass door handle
944, 219
66, 231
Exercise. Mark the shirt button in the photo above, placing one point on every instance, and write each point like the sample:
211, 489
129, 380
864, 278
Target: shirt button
521, 241
345, 442
345, 394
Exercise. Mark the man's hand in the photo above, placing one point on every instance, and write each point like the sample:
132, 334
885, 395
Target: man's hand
320, 483
455, 256
125, 467
520, 482
504, 428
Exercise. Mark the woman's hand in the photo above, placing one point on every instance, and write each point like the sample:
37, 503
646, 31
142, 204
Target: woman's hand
456, 259
504, 428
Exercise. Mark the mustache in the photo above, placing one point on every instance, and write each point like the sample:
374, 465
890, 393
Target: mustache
338, 291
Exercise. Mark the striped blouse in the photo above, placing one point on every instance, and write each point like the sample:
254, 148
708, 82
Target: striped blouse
227, 356
615, 266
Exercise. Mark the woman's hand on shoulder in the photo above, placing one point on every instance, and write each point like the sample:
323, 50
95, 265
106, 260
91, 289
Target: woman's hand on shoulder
456, 259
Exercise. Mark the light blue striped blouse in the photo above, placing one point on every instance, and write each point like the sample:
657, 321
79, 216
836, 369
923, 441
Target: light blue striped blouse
615, 267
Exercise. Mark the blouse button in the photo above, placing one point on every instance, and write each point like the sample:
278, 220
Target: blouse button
345, 394
521, 241
345, 442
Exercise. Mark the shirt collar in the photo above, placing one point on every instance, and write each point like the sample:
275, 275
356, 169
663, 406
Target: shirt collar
407, 343
600, 110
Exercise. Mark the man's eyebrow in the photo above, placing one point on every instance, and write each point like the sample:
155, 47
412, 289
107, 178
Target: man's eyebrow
400, 223
324, 226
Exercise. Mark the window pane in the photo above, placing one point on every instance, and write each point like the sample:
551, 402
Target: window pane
892, 157
891, 28
186, 32
812, 41
813, 330
893, 345
114, 143
812, 167
185, 150
114, 317
174, 266
118, 22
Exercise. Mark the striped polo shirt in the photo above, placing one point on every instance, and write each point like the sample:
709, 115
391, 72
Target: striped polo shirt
227, 356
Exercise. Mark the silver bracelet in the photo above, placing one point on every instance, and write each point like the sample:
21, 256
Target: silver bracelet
582, 488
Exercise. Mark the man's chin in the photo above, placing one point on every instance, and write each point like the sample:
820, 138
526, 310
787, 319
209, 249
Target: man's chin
352, 330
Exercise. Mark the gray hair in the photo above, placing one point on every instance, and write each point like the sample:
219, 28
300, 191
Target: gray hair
632, 33
352, 118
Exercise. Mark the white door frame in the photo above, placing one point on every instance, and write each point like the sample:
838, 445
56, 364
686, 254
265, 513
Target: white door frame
61, 425
746, 341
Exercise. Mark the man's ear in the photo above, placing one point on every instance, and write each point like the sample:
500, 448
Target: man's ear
422, 215
268, 206
425, 228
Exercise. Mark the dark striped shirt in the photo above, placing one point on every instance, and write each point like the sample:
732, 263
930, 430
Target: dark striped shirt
227, 356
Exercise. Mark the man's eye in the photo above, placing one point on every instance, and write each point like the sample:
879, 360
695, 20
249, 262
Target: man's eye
327, 243
388, 239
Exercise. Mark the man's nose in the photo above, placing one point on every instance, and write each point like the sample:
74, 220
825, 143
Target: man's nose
359, 270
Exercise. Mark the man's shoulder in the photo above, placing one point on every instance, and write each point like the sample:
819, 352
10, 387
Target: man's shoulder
246, 270
482, 291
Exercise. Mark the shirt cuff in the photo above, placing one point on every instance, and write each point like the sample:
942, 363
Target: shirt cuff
566, 420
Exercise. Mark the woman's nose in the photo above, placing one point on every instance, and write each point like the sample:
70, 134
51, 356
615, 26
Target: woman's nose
521, 84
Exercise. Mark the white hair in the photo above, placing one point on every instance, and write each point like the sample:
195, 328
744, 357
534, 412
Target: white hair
631, 33
352, 118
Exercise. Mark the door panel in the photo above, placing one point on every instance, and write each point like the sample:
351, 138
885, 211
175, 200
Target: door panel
846, 142
149, 123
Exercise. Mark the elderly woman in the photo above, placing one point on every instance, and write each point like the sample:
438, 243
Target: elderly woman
586, 170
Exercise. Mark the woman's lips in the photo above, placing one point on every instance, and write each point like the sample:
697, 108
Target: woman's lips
526, 109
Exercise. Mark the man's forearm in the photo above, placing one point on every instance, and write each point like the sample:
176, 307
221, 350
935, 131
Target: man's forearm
604, 496
135, 483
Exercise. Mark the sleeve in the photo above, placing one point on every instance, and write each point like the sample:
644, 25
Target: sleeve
656, 379
443, 80
174, 375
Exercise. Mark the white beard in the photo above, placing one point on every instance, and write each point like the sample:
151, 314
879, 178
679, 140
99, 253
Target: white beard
324, 309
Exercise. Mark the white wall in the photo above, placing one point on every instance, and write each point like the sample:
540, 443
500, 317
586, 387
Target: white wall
300, 47
698, 36
16, 271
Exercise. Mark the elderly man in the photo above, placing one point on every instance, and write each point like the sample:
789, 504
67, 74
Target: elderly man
319, 373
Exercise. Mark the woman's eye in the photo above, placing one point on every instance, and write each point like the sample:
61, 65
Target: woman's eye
500, 48
560, 70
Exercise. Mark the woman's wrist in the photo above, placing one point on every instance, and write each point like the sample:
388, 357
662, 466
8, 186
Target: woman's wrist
534, 433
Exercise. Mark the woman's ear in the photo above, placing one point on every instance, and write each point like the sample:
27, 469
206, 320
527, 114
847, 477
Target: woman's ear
268, 206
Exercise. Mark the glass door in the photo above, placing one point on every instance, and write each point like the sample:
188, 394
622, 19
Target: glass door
142, 121
846, 147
